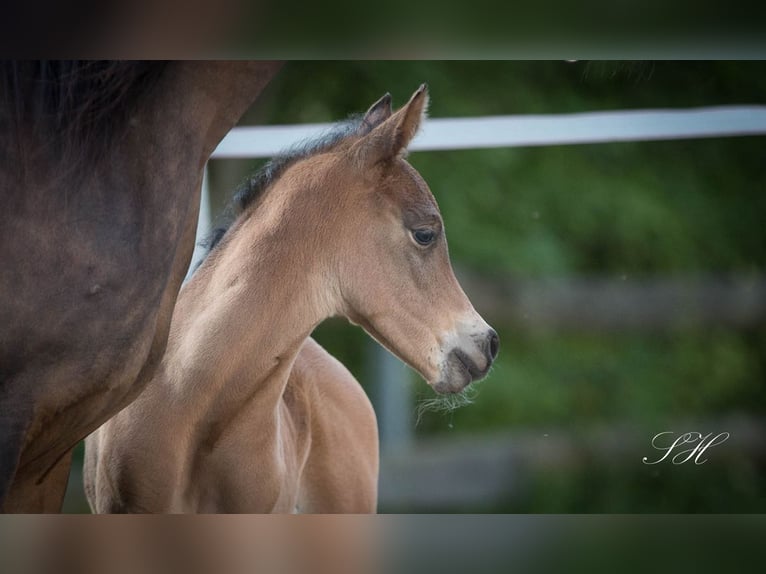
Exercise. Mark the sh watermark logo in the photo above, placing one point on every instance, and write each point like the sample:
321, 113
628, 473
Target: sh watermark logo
686, 447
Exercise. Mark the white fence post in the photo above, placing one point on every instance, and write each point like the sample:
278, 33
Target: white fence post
391, 398
204, 225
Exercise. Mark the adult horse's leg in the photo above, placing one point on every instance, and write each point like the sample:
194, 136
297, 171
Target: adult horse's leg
45, 496
92, 267
14, 422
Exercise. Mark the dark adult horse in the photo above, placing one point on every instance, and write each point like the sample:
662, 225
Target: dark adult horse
100, 173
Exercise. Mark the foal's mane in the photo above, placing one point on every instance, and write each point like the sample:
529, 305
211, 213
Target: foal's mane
259, 182
76, 107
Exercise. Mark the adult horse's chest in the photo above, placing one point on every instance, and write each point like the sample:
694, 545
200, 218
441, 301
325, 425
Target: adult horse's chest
84, 298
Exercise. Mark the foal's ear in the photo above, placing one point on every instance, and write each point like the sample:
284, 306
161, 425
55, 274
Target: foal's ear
376, 115
391, 138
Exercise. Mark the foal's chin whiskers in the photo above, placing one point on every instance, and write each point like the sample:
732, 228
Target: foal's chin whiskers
445, 404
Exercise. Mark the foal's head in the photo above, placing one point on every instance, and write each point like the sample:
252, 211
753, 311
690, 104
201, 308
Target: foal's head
393, 271
371, 229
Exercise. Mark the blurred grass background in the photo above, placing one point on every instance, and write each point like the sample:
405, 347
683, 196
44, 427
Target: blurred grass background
686, 208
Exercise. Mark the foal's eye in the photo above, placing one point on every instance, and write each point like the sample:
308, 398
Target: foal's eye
424, 236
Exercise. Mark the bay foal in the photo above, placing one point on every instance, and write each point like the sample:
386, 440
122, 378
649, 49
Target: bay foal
246, 412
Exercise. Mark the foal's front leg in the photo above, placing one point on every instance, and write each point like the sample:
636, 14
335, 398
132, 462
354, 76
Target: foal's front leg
341, 472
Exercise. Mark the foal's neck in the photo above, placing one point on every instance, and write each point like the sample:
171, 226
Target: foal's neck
241, 320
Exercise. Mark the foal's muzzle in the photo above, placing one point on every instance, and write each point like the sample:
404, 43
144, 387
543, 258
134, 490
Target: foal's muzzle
462, 366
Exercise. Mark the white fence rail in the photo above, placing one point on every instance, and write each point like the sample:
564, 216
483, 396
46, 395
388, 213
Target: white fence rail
527, 130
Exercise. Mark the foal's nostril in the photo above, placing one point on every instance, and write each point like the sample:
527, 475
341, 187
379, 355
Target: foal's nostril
493, 345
